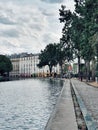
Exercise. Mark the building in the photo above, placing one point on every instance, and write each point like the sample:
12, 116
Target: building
28, 65
25, 65
15, 64
15, 59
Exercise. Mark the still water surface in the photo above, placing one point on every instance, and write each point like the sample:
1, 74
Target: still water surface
27, 104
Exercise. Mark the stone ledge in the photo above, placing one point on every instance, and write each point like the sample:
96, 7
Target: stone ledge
63, 116
88, 119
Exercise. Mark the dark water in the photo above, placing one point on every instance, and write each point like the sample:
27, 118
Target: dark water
27, 104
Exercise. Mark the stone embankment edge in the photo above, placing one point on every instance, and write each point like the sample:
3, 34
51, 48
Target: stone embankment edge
54, 112
90, 124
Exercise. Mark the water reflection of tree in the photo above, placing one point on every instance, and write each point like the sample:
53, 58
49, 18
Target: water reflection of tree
55, 87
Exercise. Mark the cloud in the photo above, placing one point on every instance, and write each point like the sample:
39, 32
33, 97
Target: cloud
10, 33
28, 25
53, 1
7, 44
7, 48
51, 38
5, 20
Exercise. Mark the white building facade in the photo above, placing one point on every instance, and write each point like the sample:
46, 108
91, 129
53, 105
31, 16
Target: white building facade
25, 65
28, 65
15, 64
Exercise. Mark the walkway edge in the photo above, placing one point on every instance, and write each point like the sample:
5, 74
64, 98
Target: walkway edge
88, 119
63, 116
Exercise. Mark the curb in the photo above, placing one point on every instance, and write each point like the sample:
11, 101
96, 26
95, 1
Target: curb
90, 124
48, 125
63, 116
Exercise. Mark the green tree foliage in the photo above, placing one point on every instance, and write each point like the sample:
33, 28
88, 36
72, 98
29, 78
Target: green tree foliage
70, 33
48, 57
66, 18
76, 37
88, 11
86, 15
65, 41
5, 65
80, 28
60, 56
54, 54
66, 68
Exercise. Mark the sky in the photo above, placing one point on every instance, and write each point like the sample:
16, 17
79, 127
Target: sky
30, 25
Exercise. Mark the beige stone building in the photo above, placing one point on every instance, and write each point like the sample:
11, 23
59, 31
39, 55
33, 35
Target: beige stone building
15, 64
25, 65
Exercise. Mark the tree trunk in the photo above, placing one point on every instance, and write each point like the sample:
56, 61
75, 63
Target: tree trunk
79, 66
61, 71
50, 69
87, 71
93, 69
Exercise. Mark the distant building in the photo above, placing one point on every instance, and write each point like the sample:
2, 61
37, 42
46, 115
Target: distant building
28, 65
15, 63
25, 65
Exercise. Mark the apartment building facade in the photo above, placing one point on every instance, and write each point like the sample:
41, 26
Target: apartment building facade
15, 63
28, 65
25, 65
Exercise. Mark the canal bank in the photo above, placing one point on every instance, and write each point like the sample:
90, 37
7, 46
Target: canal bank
87, 96
71, 112
63, 117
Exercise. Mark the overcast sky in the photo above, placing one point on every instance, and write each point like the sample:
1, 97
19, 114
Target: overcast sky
30, 25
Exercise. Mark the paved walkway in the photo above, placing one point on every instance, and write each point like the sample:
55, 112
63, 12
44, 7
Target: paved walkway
63, 117
89, 95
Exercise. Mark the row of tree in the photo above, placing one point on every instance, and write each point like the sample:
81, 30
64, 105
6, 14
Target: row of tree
52, 55
81, 31
79, 38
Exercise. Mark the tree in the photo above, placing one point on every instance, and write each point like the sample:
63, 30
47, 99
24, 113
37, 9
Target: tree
88, 11
71, 33
92, 5
66, 18
5, 65
48, 57
60, 56
79, 27
76, 37
66, 46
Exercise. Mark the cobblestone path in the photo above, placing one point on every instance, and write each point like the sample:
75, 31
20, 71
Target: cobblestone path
89, 95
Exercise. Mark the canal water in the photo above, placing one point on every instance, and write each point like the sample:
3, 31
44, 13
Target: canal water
27, 104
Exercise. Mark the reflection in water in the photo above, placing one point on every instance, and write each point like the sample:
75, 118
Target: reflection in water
27, 104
